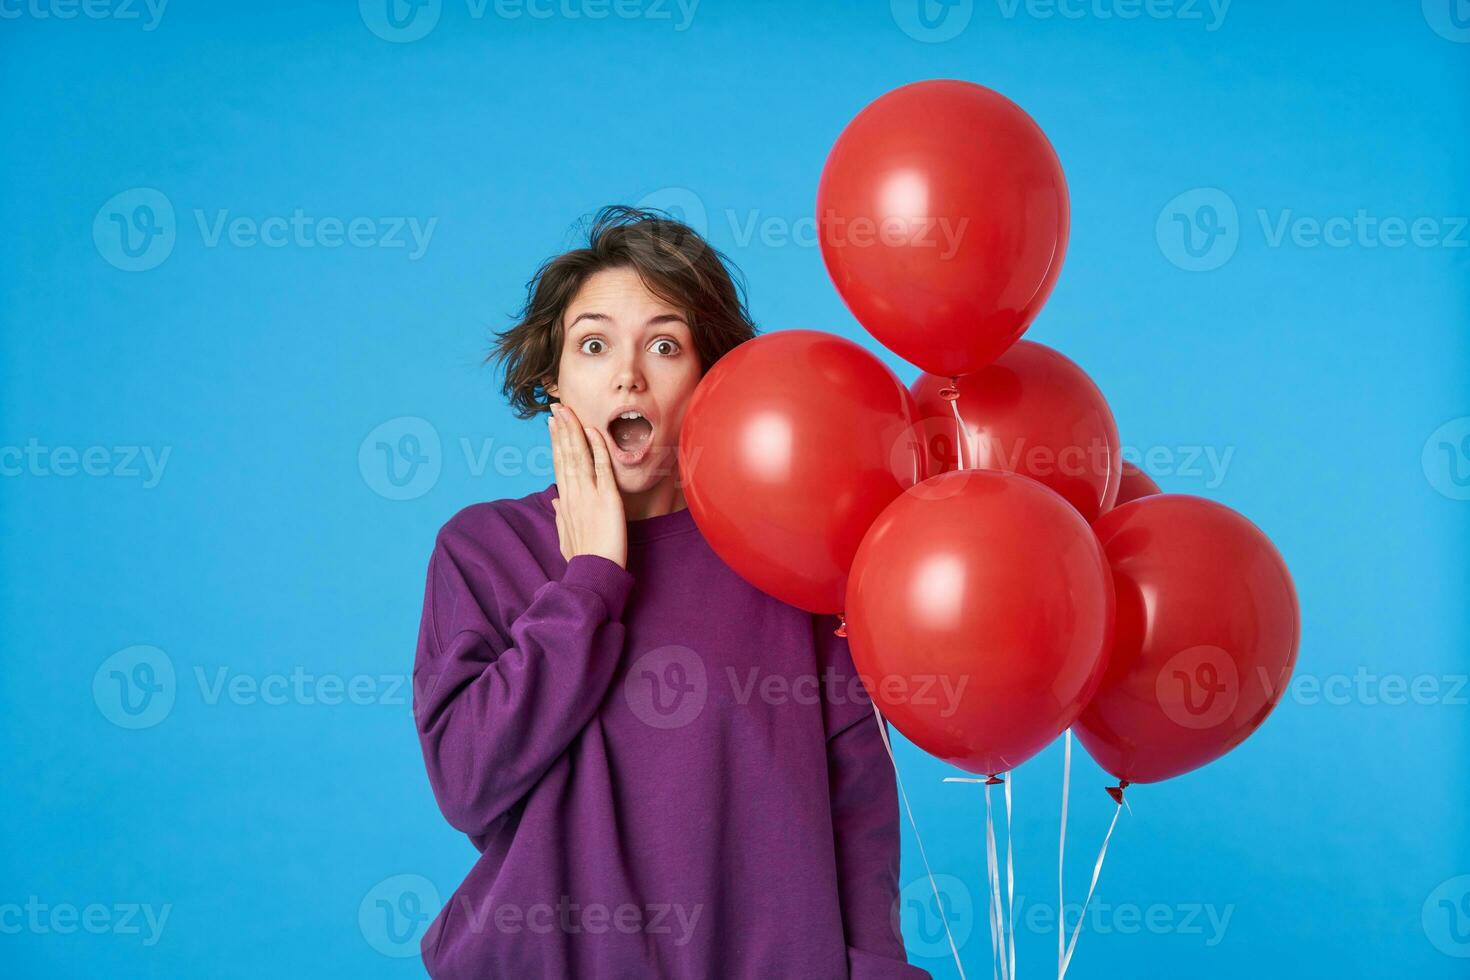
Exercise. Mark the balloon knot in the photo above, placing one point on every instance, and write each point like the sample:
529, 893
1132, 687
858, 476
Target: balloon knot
994, 780
1116, 792
841, 629
950, 391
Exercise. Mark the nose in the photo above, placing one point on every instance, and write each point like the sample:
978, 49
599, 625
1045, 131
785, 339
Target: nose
629, 375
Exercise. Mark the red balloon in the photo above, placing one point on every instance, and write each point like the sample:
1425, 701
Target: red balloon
1136, 483
943, 218
1206, 637
1032, 412
979, 615
792, 444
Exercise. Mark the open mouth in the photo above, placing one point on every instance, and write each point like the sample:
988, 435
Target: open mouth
632, 436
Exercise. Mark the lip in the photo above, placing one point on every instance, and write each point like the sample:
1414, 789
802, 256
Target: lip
643, 410
619, 455
630, 459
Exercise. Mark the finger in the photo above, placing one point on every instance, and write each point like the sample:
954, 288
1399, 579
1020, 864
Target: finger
578, 455
577, 475
561, 530
556, 463
601, 460
559, 449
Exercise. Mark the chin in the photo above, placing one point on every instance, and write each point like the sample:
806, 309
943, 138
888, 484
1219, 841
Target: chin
645, 476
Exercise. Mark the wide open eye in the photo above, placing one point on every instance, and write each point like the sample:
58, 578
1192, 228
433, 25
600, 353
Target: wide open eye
590, 340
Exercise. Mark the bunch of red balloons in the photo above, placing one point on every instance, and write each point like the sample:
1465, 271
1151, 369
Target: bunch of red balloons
1001, 573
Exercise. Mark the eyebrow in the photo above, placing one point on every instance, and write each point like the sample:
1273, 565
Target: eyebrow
652, 321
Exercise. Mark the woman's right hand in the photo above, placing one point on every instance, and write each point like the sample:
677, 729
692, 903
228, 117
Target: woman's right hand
589, 508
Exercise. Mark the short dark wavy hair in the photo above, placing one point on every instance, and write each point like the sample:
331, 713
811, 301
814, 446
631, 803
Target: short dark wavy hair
674, 262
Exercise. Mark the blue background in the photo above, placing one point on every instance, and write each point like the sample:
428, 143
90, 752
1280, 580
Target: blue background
1334, 375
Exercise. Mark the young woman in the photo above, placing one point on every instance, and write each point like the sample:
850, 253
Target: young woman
667, 772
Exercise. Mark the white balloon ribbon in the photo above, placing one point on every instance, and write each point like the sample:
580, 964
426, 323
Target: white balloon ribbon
1002, 913
961, 437
1064, 957
938, 902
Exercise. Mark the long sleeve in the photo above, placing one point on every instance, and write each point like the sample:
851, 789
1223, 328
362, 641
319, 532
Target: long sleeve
496, 705
865, 816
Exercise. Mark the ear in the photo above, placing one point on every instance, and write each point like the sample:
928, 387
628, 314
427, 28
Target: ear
550, 388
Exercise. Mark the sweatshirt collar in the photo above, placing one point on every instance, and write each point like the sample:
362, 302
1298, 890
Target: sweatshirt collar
645, 529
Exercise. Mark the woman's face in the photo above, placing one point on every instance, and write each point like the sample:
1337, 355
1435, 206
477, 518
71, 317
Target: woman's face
626, 349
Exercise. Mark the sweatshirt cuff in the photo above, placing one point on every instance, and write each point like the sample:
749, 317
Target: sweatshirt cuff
603, 577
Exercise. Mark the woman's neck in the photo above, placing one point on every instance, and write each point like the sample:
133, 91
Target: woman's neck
657, 500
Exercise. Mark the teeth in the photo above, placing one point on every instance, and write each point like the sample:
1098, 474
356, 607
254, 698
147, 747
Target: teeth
631, 415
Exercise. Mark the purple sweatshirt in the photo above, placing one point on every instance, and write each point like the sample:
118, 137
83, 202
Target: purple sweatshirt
666, 771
